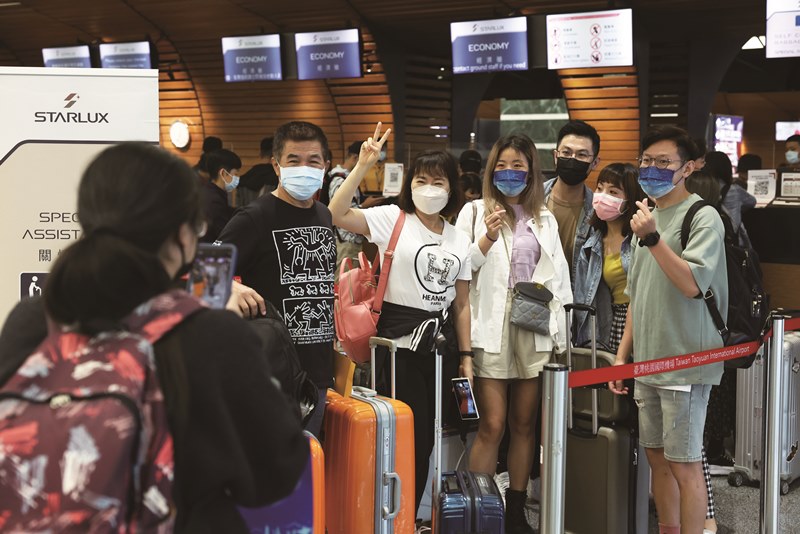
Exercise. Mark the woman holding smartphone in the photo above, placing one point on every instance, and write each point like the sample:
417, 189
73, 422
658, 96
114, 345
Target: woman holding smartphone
515, 239
428, 287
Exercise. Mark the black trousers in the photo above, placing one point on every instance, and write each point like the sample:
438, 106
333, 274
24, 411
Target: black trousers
416, 386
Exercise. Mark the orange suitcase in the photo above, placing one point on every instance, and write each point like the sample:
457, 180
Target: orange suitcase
304, 509
369, 462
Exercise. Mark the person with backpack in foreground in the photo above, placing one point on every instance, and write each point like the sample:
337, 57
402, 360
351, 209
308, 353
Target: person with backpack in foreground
666, 317
142, 410
428, 287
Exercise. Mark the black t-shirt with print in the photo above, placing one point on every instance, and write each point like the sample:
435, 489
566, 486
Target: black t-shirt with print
288, 255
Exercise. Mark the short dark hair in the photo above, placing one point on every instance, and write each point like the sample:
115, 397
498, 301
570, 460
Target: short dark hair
437, 163
686, 147
132, 199
354, 149
704, 184
221, 159
749, 162
702, 146
470, 161
298, 131
211, 144
266, 147
626, 177
471, 181
793, 138
718, 165
580, 129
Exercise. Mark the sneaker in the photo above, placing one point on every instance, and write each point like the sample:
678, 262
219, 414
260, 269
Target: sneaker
721, 465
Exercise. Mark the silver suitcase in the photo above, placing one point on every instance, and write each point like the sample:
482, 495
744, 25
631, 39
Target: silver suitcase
750, 384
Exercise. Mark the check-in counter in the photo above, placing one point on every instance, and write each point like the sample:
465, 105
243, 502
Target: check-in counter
775, 234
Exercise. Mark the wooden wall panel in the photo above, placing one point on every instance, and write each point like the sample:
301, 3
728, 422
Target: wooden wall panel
608, 99
241, 114
428, 104
177, 99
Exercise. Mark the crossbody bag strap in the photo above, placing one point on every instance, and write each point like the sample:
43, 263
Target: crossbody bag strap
377, 302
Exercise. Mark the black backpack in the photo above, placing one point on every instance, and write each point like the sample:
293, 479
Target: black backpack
325, 191
747, 302
284, 363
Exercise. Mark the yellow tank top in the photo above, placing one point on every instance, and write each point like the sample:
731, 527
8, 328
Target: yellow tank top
615, 278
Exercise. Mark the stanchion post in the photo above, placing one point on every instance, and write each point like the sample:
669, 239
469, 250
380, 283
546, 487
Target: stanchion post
771, 475
554, 447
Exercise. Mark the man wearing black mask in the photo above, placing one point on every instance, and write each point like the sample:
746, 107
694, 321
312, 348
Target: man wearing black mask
566, 196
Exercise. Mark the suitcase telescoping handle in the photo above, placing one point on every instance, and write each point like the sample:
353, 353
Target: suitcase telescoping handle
391, 344
437, 422
593, 317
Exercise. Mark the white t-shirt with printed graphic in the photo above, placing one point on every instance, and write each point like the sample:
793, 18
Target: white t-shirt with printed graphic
426, 265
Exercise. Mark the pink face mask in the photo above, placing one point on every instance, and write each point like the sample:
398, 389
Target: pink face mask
606, 206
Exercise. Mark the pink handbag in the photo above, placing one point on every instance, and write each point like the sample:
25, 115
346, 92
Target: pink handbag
359, 298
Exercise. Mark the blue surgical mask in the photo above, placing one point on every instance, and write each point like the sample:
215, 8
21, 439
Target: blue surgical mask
656, 182
301, 182
233, 184
510, 182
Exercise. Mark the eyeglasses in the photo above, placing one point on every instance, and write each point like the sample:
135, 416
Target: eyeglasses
201, 229
661, 163
580, 156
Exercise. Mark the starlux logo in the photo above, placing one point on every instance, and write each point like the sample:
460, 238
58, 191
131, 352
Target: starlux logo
70, 116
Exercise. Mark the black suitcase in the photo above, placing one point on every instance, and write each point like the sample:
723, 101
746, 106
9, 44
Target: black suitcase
603, 455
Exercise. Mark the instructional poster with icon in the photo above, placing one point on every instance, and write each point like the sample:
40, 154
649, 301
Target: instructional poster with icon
55, 121
783, 28
596, 39
761, 184
392, 179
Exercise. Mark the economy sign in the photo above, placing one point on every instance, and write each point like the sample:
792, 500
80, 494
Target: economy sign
783, 28
252, 59
125, 55
596, 39
76, 57
489, 45
334, 54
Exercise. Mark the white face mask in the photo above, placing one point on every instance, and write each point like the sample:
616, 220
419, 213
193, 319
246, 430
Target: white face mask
792, 156
301, 182
429, 199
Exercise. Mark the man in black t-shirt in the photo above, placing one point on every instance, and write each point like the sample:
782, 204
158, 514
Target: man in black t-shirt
287, 251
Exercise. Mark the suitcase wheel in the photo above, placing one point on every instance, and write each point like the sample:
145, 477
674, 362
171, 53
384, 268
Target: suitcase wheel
735, 479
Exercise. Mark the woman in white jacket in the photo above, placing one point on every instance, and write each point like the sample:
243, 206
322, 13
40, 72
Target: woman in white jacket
514, 239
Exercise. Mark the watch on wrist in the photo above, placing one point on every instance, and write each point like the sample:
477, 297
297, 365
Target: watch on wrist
649, 240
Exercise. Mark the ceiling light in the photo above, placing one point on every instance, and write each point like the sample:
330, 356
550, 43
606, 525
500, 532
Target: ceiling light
755, 42
10, 4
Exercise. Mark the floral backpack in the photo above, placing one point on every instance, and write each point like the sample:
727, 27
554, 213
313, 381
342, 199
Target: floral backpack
84, 442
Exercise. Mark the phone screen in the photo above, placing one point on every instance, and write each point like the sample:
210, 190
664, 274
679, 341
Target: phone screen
212, 273
465, 399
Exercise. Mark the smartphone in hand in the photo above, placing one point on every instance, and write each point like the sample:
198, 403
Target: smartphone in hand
465, 399
211, 275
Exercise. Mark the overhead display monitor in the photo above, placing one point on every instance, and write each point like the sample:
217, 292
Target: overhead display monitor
334, 54
125, 55
783, 28
728, 136
76, 57
489, 45
783, 130
596, 39
253, 58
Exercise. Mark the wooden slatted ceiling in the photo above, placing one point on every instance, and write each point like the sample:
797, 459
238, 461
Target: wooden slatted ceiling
669, 83
608, 99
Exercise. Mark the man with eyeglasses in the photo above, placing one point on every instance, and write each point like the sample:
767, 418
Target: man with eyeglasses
667, 317
566, 196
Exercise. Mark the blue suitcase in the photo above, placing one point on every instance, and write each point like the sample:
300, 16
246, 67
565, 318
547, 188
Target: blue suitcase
464, 502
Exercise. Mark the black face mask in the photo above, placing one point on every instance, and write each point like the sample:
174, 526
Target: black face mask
572, 171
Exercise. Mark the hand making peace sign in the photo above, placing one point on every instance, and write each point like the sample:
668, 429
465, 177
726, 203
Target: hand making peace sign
371, 148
